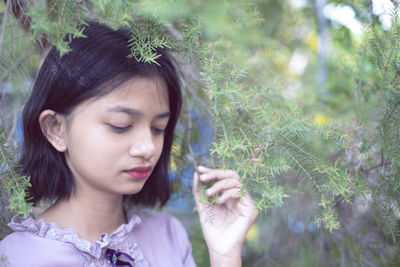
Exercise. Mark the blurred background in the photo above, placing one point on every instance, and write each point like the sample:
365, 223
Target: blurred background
335, 61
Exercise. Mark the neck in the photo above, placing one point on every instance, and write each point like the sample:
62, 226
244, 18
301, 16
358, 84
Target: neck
89, 215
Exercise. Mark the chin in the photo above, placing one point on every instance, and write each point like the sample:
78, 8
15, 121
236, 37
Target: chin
130, 186
132, 191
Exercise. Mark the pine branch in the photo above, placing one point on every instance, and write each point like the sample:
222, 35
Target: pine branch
14, 184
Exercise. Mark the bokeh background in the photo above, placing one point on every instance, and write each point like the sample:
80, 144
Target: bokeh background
326, 58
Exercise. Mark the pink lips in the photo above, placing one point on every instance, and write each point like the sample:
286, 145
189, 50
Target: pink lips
139, 172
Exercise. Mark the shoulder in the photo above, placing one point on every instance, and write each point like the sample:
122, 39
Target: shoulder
163, 224
159, 219
163, 237
26, 249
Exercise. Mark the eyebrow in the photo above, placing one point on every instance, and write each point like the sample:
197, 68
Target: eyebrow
135, 112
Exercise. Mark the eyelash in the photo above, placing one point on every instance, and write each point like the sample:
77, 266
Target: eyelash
158, 131
118, 129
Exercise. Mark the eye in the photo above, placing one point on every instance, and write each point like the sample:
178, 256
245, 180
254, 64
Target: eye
119, 129
158, 131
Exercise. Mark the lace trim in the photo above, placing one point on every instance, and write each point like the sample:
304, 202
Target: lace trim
121, 239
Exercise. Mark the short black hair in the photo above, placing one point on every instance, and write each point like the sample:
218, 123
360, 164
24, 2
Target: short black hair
95, 66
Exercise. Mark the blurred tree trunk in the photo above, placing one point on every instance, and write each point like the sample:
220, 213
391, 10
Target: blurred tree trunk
322, 47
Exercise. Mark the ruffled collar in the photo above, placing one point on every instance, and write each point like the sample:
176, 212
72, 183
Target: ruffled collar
53, 231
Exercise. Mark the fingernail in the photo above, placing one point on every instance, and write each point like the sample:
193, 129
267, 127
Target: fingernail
203, 176
208, 192
200, 167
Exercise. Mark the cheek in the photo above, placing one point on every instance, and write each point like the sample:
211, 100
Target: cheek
95, 147
160, 146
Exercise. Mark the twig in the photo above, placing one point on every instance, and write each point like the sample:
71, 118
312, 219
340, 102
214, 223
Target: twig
3, 25
395, 78
382, 163
15, 65
393, 109
387, 62
174, 32
189, 70
6, 162
306, 172
189, 122
225, 135
298, 148
19, 11
191, 91
13, 127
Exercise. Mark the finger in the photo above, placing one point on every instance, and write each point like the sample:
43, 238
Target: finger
222, 185
203, 169
233, 193
248, 207
200, 206
195, 192
218, 174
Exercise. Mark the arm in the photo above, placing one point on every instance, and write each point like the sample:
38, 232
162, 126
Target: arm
224, 225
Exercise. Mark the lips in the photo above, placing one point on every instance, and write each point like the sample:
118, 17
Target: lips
140, 172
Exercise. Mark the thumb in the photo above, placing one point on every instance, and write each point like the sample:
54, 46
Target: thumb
200, 206
195, 191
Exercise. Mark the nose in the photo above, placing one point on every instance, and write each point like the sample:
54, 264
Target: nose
143, 145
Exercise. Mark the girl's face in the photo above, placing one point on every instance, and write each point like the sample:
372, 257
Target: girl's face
113, 142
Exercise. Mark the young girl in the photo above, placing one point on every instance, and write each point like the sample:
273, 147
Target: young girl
98, 130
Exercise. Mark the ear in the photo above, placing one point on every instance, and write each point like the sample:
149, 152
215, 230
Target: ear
53, 127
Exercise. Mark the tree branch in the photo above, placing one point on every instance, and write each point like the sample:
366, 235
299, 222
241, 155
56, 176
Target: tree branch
3, 25
19, 10
392, 111
382, 163
15, 65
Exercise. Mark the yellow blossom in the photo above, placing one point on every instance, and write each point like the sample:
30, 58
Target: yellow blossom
312, 41
321, 119
173, 163
176, 150
252, 234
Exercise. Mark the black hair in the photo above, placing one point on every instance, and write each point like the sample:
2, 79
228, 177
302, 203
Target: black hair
95, 66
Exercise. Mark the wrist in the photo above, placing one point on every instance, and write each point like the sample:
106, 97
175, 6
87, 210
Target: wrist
230, 258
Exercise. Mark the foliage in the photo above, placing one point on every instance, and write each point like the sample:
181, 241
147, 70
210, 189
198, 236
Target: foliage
55, 20
273, 143
378, 87
12, 183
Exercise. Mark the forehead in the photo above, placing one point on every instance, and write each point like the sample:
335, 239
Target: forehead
146, 89
138, 93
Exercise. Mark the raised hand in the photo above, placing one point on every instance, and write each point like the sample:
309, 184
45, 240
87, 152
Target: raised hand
225, 224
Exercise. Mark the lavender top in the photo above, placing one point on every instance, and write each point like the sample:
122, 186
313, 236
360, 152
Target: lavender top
151, 238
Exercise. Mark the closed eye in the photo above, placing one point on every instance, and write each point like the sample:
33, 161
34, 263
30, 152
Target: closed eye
119, 129
158, 131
